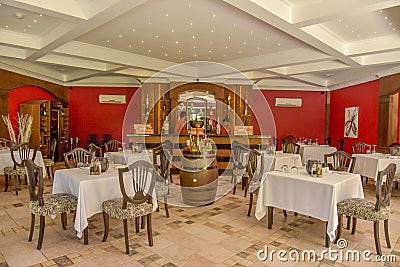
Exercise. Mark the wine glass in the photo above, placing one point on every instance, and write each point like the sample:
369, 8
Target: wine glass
373, 148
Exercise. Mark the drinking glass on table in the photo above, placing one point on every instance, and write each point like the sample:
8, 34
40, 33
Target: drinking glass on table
373, 148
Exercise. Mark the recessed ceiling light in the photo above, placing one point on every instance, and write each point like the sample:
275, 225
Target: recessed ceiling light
181, 58
6, 26
130, 46
209, 58
166, 54
209, 51
278, 44
191, 23
380, 10
172, 30
358, 36
251, 32
258, 48
224, 55
390, 24
212, 30
193, 37
108, 41
266, 38
166, 15
226, 47
133, 29
385, 17
195, 55
189, 5
157, 36
234, 24
340, 20
244, 43
162, 46
229, 37
347, 26
179, 51
41, 15
142, 42
29, 25
34, 20
177, 42
329, 74
214, 15
24, 30
374, 32
149, 50
194, 47
120, 36
352, 30
394, 29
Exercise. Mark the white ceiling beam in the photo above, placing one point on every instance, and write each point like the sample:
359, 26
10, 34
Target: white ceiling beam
19, 40
12, 52
381, 58
376, 45
73, 62
312, 67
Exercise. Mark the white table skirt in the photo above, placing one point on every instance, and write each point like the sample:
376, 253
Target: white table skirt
6, 161
302, 193
370, 164
120, 157
315, 152
91, 191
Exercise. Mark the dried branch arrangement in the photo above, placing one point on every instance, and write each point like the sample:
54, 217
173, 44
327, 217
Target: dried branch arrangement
24, 127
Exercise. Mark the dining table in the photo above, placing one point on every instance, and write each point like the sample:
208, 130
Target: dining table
369, 165
315, 152
127, 156
91, 191
6, 160
279, 160
300, 192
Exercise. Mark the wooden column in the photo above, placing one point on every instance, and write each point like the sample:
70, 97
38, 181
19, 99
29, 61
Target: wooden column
3, 111
327, 113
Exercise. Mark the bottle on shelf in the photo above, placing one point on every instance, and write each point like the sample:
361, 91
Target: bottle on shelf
218, 127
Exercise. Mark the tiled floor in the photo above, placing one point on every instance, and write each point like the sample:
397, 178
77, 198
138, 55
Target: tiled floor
215, 235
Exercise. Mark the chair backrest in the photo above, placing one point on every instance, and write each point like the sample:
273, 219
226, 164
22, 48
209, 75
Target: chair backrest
143, 175
383, 196
275, 142
328, 141
340, 144
112, 145
240, 155
95, 150
5, 142
291, 147
341, 161
254, 169
106, 138
34, 172
25, 151
163, 155
287, 139
394, 144
52, 148
77, 155
360, 148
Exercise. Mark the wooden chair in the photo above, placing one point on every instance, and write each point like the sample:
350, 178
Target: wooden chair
341, 161
395, 148
45, 205
254, 169
5, 142
360, 148
112, 145
340, 144
95, 150
92, 139
287, 139
24, 151
77, 155
163, 155
328, 141
291, 147
49, 162
240, 155
132, 207
394, 144
358, 208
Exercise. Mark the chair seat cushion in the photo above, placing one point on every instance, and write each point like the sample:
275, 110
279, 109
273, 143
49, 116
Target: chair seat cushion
54, 204
362, 209
239, 172
17, 171
113, 208
48, 162
161, 188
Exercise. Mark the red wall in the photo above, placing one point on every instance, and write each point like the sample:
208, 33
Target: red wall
23, 94
87, 115
305, 121
365, 96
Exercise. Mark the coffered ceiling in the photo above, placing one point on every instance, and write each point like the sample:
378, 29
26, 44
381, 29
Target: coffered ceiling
278, 44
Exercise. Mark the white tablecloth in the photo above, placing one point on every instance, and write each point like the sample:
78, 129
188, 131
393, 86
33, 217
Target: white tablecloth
302, 193
91, 191
275, 162
6, 160
315, 152
370, 164
120, 157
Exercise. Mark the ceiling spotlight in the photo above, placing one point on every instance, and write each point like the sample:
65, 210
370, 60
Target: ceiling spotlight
19, 15
329, 74
41, 15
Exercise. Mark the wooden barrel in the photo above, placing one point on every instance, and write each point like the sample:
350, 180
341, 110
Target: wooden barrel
199, 179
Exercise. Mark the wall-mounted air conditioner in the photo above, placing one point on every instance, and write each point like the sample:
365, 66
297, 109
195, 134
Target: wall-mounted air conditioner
288, 102
112, 99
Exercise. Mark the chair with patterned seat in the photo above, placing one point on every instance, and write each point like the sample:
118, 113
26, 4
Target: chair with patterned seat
358, 208
162, 158
254, 169
138, 204
360, 148
291, 147
19, 153
49, 162
45, 205
76, 156
112, 145
239, 156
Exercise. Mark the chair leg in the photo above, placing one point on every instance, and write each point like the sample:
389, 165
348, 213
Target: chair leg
63, 220
339, 228
284, 213
251, 204
326, 236
244, 183
353, 230
143, 222
32, 227
149, 230
376, 236
397, 185
233, 179
166, 206
386, 225
366, 180
16, 187
86, 235
126, 236
106, 219
137, 224
348, 222
41, 232
6, 182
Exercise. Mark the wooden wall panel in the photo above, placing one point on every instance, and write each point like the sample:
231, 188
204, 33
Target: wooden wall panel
3, 111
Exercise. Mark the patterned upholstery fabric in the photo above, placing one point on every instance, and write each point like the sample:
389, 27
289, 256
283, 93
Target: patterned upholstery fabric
255, 184
48, 162
114, 209
239, 172
11, 171
161, 188
362, 209
54, 204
